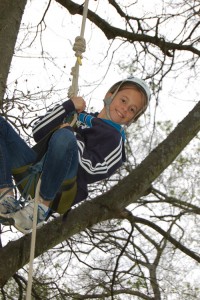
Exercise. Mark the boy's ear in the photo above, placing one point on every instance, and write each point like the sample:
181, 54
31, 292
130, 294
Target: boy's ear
108, 95
107, 100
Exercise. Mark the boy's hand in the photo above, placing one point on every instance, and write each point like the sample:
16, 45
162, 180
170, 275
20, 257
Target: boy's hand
64, 125
79, 103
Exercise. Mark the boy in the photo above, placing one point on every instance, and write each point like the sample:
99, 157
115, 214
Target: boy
91, 152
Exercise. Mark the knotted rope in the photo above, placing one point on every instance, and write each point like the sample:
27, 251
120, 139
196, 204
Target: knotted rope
79, 47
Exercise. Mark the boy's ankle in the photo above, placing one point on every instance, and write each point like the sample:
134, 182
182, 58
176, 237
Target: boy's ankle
44, 202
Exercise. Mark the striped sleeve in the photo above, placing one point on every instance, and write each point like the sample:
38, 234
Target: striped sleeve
51, 120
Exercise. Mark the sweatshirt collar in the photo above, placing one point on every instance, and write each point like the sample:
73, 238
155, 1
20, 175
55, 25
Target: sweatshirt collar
117, 127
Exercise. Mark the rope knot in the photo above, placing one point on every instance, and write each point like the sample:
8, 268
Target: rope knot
73, 71
79, 46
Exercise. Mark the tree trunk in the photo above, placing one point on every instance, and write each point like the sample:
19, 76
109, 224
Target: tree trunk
10, 18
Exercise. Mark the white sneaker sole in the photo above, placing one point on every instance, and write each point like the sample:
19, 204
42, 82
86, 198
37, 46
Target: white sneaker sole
8, 220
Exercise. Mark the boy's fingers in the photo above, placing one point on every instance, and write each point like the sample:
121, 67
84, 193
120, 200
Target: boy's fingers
64, 125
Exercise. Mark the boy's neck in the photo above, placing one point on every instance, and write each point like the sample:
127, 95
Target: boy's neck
103, 114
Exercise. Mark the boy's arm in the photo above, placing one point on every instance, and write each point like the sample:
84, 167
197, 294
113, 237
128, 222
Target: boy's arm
52, 119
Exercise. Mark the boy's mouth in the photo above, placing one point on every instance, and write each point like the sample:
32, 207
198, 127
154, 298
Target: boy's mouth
119, 114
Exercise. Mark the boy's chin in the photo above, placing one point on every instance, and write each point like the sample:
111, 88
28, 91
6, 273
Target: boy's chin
120, 122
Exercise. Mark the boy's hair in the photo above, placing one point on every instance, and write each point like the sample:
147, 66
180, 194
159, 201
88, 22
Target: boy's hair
139, 85
116, 85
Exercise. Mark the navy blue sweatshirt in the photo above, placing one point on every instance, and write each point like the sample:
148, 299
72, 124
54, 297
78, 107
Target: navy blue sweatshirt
100, 144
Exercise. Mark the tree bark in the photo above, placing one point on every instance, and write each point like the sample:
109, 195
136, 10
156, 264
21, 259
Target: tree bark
110, 205
11, 13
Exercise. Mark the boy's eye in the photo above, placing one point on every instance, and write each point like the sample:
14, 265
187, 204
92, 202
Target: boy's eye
132, 110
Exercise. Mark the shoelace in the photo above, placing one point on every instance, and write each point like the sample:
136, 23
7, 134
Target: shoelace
10, 203
30, 208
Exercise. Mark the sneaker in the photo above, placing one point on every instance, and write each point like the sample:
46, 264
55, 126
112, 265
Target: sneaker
22, 220
8, 204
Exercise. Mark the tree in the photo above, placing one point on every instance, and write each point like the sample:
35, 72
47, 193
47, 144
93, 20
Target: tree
137, 244
11, 14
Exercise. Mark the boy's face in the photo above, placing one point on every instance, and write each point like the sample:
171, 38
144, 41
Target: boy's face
125, 105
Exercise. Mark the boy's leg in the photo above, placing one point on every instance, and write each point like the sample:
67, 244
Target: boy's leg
14, 152
60, 163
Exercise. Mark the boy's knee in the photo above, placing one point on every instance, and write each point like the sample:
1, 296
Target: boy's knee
63, 138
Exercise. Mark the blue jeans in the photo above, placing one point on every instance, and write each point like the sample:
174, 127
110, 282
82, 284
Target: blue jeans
59, 163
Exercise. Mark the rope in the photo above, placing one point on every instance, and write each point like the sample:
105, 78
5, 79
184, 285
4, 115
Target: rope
33, 241
79, 48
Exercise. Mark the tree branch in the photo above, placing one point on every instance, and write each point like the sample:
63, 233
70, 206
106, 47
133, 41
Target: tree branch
112, 32
107, 206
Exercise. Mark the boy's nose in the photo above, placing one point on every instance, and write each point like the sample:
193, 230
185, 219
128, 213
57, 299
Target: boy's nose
125, 108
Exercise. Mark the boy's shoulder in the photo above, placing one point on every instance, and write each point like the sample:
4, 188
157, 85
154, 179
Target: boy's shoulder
117, 127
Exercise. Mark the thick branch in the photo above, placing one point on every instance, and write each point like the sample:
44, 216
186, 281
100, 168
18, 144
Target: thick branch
112, 32
104, 207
